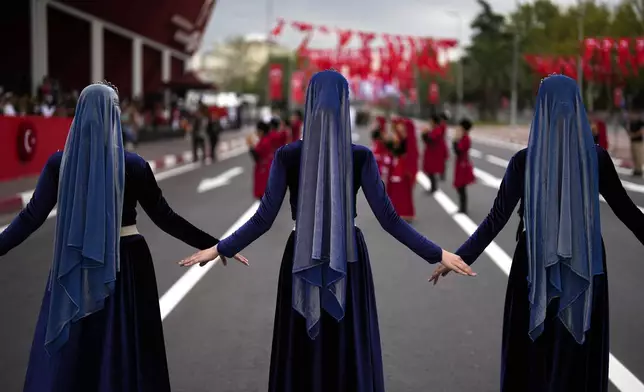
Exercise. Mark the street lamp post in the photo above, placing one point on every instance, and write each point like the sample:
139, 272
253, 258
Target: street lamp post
515, 74
580, 33
459, 74
269, 27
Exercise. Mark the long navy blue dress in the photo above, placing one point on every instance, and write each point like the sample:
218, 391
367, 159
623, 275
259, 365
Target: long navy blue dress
554, 362
120, 348
346, 355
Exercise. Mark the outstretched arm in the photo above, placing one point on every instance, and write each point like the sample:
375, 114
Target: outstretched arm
610, 186
155, 205
374, 191
263, 219
35, 213
504, 204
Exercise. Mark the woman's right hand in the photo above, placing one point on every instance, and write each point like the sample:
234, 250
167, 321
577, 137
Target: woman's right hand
455, 263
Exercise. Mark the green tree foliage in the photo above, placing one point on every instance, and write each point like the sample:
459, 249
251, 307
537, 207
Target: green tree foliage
545, 29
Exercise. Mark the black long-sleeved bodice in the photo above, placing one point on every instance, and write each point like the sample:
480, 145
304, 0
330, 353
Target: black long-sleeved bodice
285, 174
140, 187
511, 192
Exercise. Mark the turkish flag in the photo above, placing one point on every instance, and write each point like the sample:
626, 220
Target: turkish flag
297, 87
433, 93
275, 76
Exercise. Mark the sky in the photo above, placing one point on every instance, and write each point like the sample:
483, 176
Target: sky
426, 18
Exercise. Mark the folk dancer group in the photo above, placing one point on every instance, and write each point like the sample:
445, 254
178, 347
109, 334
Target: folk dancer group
396, 151
100, 327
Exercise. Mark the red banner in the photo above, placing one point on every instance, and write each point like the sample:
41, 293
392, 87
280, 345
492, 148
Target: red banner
275, 76
27, 142
297, 87
433, 93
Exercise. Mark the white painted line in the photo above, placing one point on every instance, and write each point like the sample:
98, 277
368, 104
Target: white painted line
475, 153
182, 287
618, 374
497, 161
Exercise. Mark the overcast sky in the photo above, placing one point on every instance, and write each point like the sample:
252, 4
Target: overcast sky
433, 18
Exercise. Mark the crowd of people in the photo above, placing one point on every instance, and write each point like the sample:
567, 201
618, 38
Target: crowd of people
100, 327
268, 137
395, 146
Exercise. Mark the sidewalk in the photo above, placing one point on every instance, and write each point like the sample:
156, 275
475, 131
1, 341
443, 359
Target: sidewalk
165, 154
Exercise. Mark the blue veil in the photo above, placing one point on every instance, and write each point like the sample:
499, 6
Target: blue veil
325, 234
562, 208
90, 203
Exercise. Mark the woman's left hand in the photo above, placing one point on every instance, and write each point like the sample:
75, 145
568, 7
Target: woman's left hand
207, 255
439, 272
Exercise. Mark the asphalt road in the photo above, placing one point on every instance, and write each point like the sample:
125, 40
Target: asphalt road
443, 338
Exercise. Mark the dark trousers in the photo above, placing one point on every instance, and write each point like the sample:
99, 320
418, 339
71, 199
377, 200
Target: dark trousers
198, 144
434, 183
462, 199
213, 140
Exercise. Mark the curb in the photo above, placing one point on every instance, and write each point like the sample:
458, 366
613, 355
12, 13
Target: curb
227, 148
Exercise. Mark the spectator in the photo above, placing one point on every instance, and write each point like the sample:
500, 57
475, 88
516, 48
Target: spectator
636, 134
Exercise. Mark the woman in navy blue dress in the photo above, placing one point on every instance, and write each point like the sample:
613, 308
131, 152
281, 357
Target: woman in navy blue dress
99, 328
555, 325
326, 335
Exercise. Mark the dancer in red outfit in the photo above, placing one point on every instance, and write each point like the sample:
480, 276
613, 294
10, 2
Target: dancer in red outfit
434, 155
261, 149
279, 134
600, 135
463, 170
412, 151
296, 125
380, 151
399, 187
445, 148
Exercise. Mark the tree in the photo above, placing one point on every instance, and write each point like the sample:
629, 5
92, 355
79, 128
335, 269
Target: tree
487, 62
234, 70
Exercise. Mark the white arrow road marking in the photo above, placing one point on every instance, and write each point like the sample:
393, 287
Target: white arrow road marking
208, 184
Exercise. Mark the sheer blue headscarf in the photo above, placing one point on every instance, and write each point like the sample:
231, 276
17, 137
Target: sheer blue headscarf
90, 203
562, 208
325, 234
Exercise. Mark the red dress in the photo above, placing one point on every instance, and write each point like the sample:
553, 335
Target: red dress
400, 184
436, 151
263, 154
463, 169
296, 130
602, 134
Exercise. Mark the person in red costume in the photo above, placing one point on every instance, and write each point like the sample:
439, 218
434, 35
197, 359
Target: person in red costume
279, 134
434, 154
261, 148
600, 134
463, 169
412, 150
296, 125
378, 147
399, 183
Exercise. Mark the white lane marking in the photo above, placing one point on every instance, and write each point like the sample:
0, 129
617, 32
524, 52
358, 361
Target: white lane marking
618, 374
497, 161
159, 176
223, 179
629, 186
475, 153
182, 287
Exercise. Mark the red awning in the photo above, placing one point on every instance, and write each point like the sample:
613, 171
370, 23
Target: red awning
189, 81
